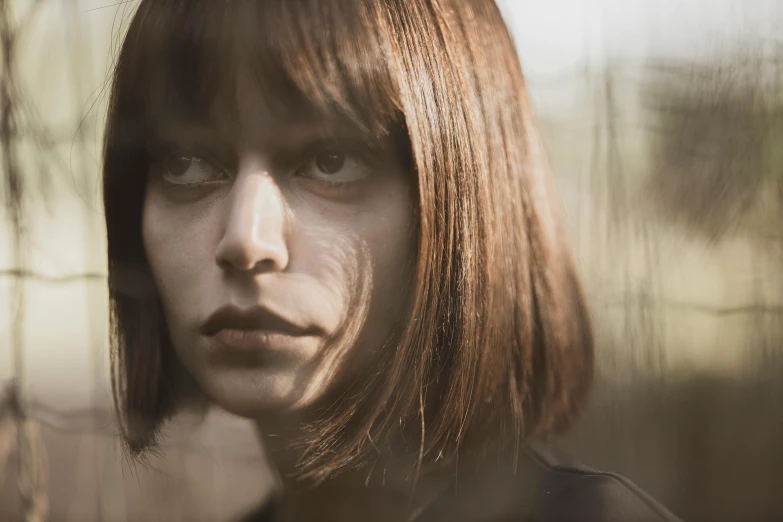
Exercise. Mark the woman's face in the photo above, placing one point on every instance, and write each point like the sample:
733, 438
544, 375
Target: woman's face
281, 253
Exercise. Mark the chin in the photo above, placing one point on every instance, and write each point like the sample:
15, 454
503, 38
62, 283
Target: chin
252, 393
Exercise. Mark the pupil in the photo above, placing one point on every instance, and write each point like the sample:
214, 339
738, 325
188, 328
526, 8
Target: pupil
178, 165
330, 162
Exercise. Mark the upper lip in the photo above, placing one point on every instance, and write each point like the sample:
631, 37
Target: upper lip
256, 318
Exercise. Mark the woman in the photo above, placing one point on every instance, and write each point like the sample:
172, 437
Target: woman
335, 218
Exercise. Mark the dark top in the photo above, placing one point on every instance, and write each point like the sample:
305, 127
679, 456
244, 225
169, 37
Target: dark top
546, 491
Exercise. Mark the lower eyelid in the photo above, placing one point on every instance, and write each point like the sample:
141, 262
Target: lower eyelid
196, 183
333, 188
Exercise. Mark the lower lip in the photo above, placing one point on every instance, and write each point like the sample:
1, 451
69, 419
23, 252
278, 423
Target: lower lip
256, 340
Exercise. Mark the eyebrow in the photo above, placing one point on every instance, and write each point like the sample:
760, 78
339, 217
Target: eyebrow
275, 136
185, 131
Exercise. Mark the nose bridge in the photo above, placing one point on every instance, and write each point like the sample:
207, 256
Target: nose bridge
255, 229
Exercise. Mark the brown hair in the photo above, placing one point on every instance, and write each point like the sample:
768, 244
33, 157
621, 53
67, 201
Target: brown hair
497, 342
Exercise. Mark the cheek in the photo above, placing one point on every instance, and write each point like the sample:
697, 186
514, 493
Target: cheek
177, 247
388, 239
365, 258
393, 244
392, 253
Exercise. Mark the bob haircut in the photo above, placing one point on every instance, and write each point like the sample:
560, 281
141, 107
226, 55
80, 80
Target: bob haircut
497, 343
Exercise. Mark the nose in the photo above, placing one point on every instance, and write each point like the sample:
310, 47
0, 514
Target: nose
254, 238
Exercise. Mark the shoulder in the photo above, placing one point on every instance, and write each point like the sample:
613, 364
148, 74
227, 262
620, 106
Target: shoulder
543, 486
574, 493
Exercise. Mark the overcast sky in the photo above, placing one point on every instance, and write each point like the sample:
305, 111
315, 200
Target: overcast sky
556, 35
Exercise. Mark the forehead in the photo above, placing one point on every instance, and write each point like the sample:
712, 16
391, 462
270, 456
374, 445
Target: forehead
272, 135
238, 114
249, 67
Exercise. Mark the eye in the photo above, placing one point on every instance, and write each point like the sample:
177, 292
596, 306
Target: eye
183, 169
330, 162
335, 166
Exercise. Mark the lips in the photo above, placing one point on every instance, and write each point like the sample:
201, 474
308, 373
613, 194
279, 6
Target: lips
253, 329
257, 318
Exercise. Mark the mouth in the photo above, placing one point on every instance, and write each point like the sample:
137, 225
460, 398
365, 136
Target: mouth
254, 329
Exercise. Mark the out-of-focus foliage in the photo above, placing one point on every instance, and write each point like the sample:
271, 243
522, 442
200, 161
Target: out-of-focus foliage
680, 239
719, 140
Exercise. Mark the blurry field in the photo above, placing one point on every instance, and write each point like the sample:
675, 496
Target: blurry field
214, 473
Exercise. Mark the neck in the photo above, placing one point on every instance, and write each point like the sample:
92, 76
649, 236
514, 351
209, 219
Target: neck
391, 488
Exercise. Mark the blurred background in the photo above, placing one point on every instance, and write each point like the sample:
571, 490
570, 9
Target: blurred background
664, 122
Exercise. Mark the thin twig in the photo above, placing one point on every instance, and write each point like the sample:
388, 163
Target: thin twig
70, 278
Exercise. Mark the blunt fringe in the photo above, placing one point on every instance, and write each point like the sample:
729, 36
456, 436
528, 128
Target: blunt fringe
497, 345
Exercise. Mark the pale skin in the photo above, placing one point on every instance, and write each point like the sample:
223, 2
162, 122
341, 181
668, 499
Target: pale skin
303, 221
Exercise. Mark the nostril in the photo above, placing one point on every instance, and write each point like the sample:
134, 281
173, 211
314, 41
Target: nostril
252, 256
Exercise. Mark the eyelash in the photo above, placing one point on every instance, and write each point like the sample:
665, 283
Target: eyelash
161, 152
